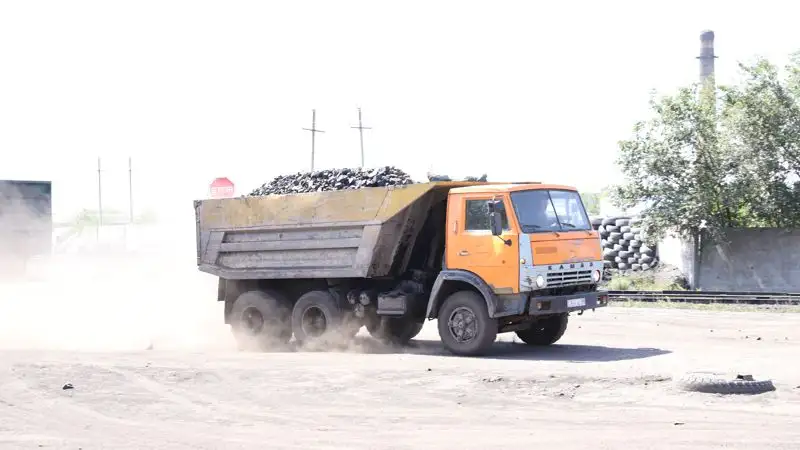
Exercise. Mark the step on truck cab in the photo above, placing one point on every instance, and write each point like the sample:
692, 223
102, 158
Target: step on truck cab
482, 258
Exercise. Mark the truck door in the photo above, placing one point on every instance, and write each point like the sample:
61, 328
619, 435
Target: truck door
471, 246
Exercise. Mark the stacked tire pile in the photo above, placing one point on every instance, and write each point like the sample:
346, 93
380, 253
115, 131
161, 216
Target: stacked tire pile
623, 244
333, 180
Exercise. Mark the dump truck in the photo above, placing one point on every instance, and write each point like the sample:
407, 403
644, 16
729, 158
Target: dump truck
482, 258
26, 224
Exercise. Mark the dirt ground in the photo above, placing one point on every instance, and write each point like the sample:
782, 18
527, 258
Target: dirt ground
155, 368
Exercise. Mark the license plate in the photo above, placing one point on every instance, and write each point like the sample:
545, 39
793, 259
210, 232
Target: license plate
576, 302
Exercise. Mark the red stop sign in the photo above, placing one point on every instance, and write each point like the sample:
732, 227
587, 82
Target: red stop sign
221, 188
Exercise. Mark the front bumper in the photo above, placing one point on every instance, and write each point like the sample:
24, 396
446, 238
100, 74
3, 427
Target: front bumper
567, 303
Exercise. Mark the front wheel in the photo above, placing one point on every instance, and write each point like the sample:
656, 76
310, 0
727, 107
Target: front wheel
545, 331
464, 324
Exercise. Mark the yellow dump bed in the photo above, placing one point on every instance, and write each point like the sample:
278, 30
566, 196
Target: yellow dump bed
338, 234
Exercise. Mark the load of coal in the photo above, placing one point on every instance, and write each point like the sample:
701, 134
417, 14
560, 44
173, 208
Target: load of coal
435, 177
334, 180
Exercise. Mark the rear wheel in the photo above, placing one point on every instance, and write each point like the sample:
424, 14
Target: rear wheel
260, 320
393, 330
545, 331
464, 324
316, 317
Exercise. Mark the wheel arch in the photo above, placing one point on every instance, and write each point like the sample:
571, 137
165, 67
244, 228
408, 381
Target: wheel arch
451, 281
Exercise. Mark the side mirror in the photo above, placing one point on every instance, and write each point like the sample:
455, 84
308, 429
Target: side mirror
497, 223
495, 216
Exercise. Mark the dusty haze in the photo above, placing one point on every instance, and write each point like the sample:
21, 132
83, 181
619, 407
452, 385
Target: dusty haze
135, 287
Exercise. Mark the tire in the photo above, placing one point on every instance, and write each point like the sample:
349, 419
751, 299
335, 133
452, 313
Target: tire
459, 307
260, 320
714, 383
397, 331
316, 317
546, 331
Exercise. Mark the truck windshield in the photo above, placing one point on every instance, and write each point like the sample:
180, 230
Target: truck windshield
550, 210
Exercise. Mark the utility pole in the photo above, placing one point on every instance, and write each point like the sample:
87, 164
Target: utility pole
130, 190
99, 198
314, 132
361, 129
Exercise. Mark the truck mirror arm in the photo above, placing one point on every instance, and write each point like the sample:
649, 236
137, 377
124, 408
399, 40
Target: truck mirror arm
505, 241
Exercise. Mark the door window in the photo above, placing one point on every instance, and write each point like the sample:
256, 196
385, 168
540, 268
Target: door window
477, 216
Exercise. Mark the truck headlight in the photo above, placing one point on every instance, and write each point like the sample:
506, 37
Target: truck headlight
540, 281
596, 276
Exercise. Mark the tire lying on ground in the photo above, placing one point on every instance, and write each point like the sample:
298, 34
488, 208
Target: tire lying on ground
717, 383
260, 320
545, 331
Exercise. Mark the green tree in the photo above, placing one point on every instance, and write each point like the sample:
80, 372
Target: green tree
591, 201
763, 117
673, 166
702, 164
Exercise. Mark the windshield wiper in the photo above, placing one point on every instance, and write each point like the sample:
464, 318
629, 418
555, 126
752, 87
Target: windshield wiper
526, 227
567, 224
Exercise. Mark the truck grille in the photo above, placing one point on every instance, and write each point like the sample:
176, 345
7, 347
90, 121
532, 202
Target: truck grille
568, 278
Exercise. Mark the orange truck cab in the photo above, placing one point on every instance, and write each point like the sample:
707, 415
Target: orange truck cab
532, 254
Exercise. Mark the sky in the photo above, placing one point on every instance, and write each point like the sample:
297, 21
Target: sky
194, 90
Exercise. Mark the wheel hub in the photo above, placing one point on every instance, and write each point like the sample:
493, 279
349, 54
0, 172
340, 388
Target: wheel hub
314, 322
463, 324
253, 320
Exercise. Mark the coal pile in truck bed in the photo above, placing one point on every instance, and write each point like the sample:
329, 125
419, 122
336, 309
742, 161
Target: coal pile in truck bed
334, 180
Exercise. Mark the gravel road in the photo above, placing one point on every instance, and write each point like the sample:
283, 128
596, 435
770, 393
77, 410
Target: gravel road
607, 384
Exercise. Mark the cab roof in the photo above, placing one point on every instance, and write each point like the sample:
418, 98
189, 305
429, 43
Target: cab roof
507, 187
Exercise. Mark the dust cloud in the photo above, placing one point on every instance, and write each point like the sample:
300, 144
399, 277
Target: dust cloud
122, 288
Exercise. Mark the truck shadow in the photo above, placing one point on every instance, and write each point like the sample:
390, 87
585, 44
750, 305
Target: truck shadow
514, 351
557, 352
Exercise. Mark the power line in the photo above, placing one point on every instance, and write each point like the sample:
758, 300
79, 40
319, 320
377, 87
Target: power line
361, 129
314, 132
